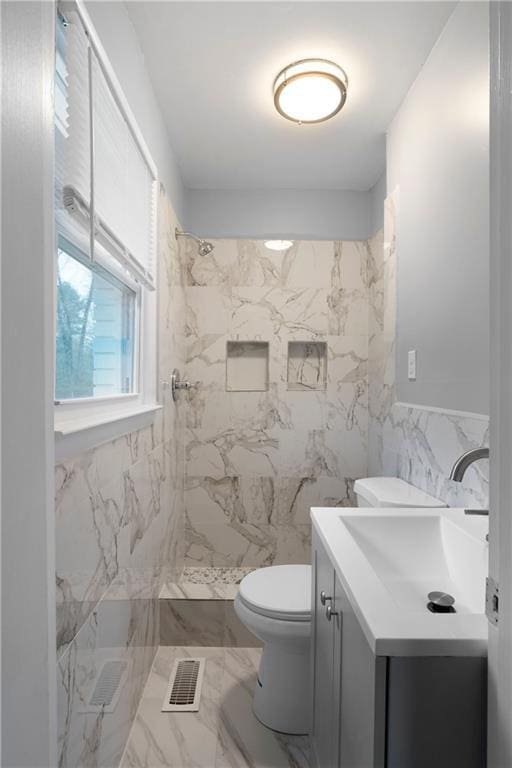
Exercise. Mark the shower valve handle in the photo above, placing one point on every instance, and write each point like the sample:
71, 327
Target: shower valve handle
177, 384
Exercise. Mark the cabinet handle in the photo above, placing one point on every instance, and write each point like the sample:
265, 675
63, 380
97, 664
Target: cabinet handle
324, 598
329, 613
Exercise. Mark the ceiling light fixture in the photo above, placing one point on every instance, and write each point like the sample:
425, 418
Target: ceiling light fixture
278, 245
310, 90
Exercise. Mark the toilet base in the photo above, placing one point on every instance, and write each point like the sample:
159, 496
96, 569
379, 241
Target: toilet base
282, 697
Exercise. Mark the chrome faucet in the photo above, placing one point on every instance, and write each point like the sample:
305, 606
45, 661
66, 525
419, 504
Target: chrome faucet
465, 461
460, 467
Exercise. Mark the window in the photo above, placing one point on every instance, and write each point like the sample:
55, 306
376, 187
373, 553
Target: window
96, 333
105, 210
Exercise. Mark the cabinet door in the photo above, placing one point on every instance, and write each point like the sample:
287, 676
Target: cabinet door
362, 713
323, 726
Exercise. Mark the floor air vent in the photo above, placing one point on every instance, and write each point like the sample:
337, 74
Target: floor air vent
107, 688
184, 691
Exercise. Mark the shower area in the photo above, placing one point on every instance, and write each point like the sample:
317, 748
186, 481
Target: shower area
275, 416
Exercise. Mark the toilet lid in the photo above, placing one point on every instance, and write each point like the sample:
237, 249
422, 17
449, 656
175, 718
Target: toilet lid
280, 591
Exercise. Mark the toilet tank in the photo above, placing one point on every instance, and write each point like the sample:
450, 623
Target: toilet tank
391, 492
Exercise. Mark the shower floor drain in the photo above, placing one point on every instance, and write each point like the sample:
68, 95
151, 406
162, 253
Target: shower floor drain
184, 690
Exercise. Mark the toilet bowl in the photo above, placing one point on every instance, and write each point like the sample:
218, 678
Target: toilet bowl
274, 603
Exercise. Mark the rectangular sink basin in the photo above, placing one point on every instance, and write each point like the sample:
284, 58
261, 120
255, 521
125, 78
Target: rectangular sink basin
388, 560
415, 555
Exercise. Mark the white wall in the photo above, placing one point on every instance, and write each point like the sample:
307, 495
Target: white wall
299, 214
119, 38
27, 341
438, 156
377, 197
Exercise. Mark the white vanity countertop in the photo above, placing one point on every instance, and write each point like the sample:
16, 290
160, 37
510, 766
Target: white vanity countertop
388, 566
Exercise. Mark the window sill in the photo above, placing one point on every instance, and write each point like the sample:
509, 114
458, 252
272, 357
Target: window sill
81, 433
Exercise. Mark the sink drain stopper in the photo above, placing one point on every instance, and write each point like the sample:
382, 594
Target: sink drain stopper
440, 602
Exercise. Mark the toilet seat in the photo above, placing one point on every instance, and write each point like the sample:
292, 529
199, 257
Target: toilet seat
279, 592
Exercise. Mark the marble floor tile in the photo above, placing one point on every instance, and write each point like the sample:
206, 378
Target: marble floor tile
223, 734
236, 634
243, 741
192, 622
187, 740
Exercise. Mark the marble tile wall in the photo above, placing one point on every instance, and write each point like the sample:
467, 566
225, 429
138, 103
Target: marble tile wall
418, 444
120, 534
256, 461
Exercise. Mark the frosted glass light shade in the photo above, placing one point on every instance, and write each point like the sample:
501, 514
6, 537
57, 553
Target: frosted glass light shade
278, 245
310, 91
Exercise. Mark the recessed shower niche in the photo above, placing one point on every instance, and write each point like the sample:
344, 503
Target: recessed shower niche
307, 365
247, 366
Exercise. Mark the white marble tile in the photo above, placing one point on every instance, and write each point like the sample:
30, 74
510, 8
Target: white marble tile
247, 366
217, 269
192, 622
224, 733
347, 360
208, 311
261, 314
307, 365
337, 452
296, 495
348, 296
119, 515
206, 359
230, 544
245, 544
296, 409
92, 543
229, 499
347, 410
232, 452
243, 740
254, 410
236, 634
308, 264
175, 739
119, 629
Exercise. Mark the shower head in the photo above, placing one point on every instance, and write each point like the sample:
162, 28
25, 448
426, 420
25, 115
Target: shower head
204, 248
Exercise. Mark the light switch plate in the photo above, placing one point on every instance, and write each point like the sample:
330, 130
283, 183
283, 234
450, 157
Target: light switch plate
411, 365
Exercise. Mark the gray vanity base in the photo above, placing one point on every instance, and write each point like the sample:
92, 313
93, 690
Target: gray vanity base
373, 711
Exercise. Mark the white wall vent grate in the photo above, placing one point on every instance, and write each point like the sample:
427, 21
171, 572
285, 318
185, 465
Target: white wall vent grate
108, 686
184, 690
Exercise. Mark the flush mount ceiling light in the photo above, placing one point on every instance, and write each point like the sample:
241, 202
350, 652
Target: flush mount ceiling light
278, 245
310, 90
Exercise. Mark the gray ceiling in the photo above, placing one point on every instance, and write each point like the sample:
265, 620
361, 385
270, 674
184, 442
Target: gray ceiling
213, 64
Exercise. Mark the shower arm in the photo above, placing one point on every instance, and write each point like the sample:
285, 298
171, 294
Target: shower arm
182, 233
203, 246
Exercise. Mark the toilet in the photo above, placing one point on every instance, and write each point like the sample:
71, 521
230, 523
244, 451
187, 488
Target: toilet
392, 492
274, 603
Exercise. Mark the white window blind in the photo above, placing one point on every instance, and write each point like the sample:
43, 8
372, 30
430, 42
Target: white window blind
73, 153
106, 187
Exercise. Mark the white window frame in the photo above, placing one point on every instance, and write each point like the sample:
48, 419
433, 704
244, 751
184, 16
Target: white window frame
81, 423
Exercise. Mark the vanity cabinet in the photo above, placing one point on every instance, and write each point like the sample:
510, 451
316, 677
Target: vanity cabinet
373, 711
347, 723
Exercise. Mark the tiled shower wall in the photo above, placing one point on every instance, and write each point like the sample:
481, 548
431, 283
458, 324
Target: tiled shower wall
418, 444
256, 461
119, 522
